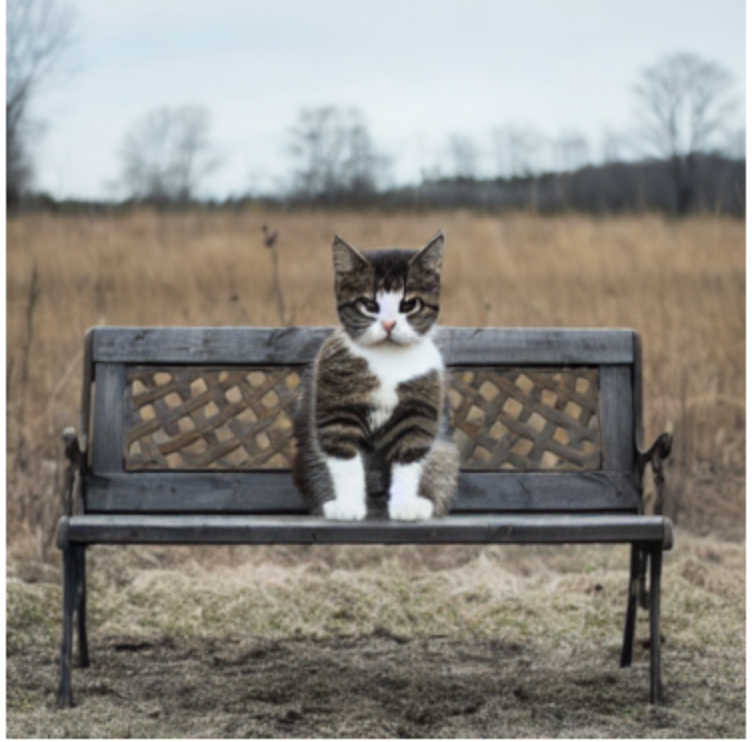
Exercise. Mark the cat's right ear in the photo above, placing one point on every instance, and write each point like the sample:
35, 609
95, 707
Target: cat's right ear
431, 255
346, 257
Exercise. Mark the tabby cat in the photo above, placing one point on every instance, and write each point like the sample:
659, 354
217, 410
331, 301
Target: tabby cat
370, 430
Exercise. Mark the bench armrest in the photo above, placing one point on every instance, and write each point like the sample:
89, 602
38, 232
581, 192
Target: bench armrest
655, 456
74, 471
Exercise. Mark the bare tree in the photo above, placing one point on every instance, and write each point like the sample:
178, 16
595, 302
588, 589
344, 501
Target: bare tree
336, 156
167, 154
39, 37
464, 155
517, 149
614, 146
684, 102
570, 151
735, 144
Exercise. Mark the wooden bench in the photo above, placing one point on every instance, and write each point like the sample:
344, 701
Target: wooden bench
185, 438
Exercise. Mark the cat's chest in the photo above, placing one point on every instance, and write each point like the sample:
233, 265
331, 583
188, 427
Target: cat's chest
392, 366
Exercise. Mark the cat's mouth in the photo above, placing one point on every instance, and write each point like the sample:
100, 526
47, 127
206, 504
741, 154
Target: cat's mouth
387, 342
391, 340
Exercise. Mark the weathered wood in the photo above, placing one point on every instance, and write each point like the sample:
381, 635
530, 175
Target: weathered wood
84, 430
274, 492
463, 529
208, 345
109, 418
239, 418
298, 345
637, 393
617, 418
538, 388
525, 418
198, 417
546, 492
545, 346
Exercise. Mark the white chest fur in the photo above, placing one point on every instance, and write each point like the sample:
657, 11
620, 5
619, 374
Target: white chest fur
392, 365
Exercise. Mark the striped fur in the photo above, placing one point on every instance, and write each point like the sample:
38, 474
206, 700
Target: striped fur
370, 430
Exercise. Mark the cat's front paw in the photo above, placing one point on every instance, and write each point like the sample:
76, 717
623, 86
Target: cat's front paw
410, 508
345, 510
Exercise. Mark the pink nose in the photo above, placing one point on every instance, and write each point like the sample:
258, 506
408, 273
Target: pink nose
388, 324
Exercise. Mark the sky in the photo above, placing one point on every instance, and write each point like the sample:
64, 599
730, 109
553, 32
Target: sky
419, 71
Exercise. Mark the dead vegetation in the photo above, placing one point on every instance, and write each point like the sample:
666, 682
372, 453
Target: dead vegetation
388, 642
187, 642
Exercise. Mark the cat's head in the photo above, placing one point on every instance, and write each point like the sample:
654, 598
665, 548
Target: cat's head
388, 296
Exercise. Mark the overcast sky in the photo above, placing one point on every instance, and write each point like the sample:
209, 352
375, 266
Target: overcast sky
419, 70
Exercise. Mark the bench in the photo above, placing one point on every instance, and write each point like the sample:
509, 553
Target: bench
185, 438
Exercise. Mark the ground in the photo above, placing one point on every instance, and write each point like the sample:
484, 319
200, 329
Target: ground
380, 642
352, 641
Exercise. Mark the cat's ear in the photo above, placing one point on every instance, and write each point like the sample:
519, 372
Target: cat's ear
431, 255
346, 257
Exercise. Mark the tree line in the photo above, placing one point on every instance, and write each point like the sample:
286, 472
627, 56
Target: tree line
679, 157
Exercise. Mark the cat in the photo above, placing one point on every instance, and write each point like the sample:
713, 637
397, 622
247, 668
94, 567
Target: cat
370, 428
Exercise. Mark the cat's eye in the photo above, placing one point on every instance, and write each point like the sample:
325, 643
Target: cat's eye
408, 306
368, 305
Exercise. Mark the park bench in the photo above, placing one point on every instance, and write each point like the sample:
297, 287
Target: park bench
185, 438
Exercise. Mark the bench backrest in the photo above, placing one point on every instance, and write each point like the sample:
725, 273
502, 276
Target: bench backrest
197, 420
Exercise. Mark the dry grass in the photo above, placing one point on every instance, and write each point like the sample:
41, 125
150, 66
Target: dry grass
382, 642
350, 641
681, 284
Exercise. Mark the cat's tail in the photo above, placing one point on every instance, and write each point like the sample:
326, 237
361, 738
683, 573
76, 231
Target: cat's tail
438, 482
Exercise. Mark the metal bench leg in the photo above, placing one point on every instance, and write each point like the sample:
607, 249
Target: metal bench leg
629, 621
656, 688
65, 693
643, 558
83, 640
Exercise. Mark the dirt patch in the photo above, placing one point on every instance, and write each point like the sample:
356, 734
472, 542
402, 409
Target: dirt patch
374, 642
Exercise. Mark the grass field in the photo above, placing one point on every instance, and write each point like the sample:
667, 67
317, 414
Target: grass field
376, 642
680, 283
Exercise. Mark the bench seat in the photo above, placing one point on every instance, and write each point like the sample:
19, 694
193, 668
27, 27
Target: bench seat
302, 529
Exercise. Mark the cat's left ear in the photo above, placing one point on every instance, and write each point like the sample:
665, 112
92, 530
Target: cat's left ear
431, 255
346, 256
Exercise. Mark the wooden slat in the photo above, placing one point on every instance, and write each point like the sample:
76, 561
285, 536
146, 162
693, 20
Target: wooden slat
487, 529
109, 418
208, 345
297, 345
85, 423
545, 346
546, 492
274, 492
617, 418
637, 393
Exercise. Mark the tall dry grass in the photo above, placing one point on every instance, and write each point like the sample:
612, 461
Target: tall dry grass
680, 283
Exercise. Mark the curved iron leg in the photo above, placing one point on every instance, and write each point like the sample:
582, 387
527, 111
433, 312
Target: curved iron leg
656, 687
644, 558
83, 640
65, 693
629, 621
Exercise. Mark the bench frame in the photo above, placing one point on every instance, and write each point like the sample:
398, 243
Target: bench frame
104, 504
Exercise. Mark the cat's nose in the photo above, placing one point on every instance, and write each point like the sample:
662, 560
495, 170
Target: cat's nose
388, 325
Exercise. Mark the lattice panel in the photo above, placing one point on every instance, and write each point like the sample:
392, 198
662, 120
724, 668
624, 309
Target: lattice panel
204, 418
193, 418
526, 418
